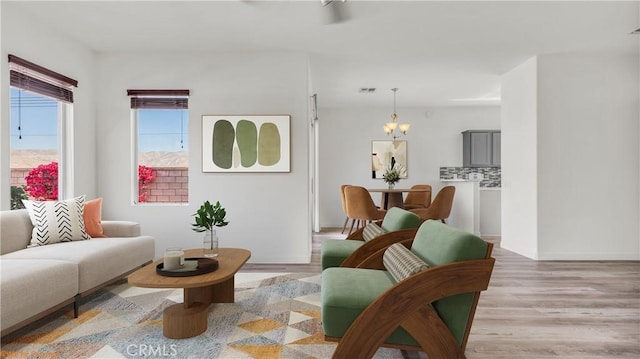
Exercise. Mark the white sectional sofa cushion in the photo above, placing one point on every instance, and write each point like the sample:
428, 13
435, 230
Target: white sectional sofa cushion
74, 269
29, 287
15, 230
98, 260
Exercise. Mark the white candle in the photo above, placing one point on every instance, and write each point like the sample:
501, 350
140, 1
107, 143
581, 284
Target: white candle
173, 258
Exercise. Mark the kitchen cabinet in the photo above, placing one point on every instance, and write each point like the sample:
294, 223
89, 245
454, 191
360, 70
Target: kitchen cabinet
481, 148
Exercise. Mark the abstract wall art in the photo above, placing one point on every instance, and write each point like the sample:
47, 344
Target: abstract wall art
245, 143
386, 153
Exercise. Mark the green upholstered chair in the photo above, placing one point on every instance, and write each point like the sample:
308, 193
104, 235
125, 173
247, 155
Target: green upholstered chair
397, 224
364, 308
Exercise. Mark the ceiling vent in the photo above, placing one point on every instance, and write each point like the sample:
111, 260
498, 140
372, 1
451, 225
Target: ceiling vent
367, 90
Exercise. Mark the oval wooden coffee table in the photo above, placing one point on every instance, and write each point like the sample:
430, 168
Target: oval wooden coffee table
188, 319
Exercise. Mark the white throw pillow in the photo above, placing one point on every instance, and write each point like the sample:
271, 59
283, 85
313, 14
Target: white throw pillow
56, 221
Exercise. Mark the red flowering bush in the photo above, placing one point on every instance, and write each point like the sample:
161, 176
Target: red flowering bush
145, 176
42, 182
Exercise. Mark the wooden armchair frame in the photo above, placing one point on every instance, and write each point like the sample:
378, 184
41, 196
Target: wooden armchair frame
408, 305
358, 234
372, 250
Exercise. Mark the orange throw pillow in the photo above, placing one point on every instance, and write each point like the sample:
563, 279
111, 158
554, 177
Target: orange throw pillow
93, 218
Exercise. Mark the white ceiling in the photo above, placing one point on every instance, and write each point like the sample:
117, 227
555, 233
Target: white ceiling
437, 53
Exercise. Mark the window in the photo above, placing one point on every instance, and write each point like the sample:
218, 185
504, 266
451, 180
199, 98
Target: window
160, 136
40, 113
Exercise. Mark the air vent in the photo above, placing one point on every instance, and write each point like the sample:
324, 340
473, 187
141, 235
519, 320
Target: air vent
367, 89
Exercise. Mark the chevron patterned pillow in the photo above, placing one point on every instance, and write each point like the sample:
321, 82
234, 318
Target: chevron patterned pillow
56, 221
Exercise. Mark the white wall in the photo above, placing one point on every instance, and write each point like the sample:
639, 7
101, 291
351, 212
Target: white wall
269, 212
25, 38
519, 160
490, 212
588, 156
570, 157
434, 140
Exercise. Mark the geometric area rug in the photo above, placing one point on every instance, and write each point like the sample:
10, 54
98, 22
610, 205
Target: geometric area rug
275, 315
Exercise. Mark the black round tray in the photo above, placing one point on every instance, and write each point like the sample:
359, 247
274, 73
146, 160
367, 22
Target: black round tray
204, 265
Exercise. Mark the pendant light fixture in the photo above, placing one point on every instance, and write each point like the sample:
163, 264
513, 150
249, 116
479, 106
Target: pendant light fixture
391, 126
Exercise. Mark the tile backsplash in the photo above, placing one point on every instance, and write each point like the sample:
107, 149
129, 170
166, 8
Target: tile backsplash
492, 175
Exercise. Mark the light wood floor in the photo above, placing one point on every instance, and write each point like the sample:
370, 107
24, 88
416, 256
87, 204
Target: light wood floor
537, 309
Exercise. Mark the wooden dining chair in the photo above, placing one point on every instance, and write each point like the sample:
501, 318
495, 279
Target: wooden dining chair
360, 207
344, 207
418, 199
440, 208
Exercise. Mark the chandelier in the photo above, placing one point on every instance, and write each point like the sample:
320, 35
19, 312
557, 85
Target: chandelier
391, 126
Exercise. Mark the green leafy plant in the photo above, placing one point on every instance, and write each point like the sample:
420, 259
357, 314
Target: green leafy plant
17, 195
209, 216
392, 174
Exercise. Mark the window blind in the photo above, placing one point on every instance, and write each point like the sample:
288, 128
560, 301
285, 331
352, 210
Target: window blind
159, 99
31, 77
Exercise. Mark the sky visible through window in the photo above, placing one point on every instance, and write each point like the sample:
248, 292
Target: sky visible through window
37, 116
162, 130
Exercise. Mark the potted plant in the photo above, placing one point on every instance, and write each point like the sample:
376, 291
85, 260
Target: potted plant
392, 174
207, 217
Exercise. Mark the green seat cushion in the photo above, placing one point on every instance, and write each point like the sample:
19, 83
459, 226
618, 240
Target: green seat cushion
397, 218
437, 243
335, 251
346, 292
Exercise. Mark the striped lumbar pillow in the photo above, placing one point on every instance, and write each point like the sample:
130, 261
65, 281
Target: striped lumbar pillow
56, 221
401, 263
371, 231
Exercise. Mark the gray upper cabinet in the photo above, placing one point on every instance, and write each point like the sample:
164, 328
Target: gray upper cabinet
495, 150
481, 148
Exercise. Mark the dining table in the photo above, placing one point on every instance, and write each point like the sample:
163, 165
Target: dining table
392, 197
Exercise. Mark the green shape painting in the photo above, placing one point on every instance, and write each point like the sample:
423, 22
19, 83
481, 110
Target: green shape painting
223, 138
247, 138
269, 144
245, 143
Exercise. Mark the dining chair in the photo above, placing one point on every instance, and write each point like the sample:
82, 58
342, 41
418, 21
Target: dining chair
418, 199
360, 207
344, 207
440, 208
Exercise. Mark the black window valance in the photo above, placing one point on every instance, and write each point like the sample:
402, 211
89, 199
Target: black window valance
31, 77
159, 99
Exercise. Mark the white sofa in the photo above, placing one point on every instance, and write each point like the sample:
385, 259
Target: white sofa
37, 281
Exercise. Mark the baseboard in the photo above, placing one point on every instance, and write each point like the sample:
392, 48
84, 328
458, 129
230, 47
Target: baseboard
589, 256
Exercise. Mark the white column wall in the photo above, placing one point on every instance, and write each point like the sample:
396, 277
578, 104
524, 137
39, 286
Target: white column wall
570, 134
588, 156
519, 160
268, 212
26, 38
434, 141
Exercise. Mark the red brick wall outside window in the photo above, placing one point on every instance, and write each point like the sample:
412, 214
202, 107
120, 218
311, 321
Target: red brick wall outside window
170, 186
